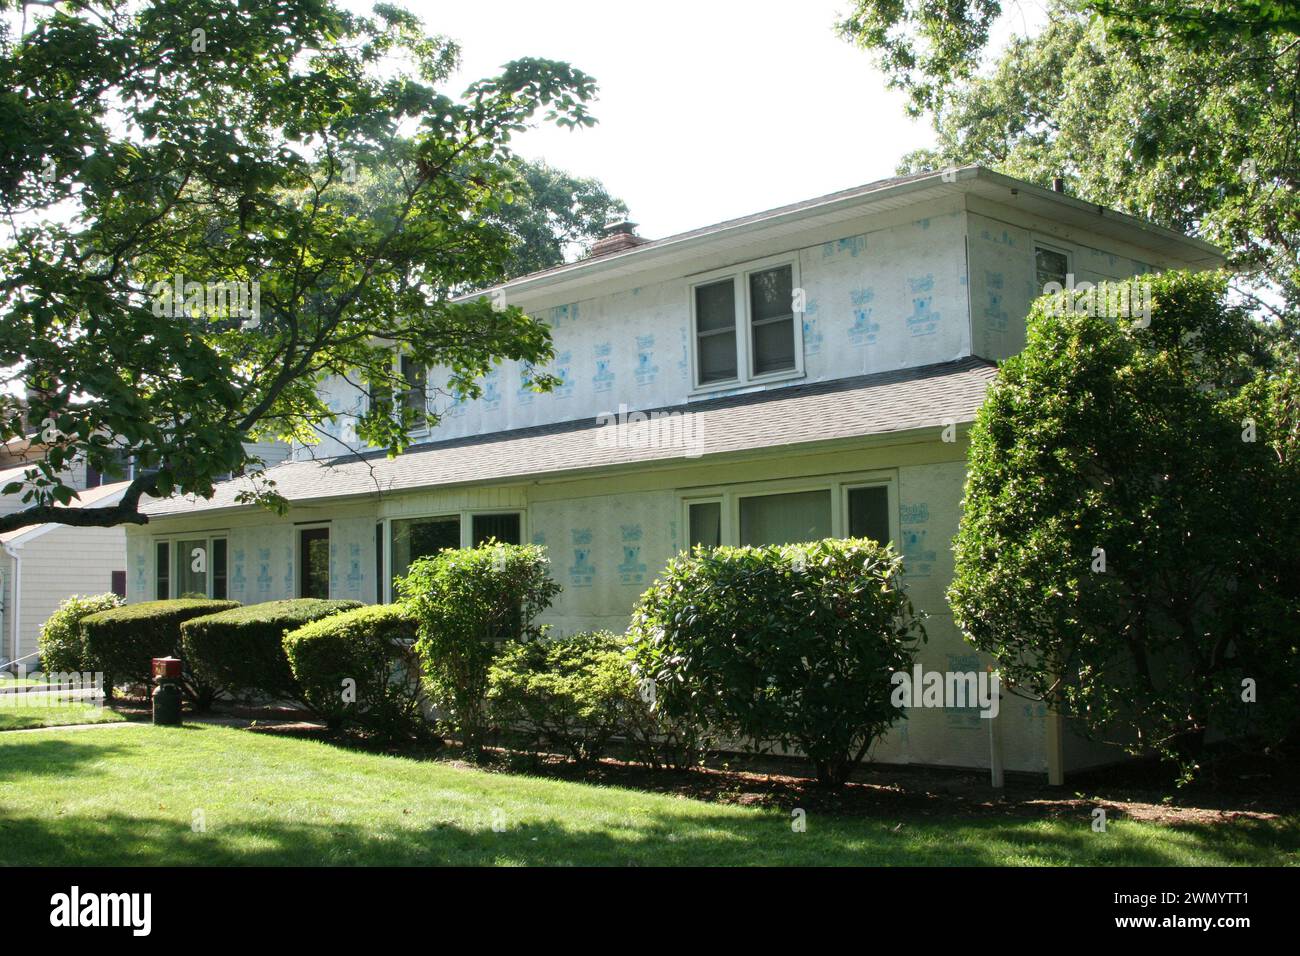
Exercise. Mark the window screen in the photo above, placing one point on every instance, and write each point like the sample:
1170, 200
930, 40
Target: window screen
706, 524
1052, 266
163, 570
422, 538
415, 394
218, 566
869, 513
785, 519
772, 320
504, 528
314, 556
192, 561
715, 330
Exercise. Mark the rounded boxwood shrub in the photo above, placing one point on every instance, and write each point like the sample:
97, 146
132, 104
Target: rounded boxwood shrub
571, 694
243, 649
123, 642
360, 668
466, 603
792, 645
62, 646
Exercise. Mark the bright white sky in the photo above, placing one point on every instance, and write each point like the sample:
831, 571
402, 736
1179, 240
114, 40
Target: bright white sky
708, 109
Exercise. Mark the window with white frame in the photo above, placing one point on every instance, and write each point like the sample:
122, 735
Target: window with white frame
415, 392
191, 564
1050, 265
786, 512
745, 327
412, 538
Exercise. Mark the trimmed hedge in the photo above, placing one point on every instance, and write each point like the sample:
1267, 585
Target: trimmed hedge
243, 649
124, 641
360, 668
61, 643
572, 694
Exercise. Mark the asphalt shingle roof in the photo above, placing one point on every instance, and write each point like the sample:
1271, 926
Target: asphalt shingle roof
877, 404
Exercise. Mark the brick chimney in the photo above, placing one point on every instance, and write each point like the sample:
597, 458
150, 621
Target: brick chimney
617, 237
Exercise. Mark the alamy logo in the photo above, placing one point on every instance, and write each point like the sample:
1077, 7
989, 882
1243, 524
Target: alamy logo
946, 689
1126, 299
103, 909
633, 429
215, 301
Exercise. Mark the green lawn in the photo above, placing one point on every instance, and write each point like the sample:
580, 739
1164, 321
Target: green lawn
216, 795
9, 680
20, 716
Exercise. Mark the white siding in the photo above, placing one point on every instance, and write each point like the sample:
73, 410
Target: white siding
59, 564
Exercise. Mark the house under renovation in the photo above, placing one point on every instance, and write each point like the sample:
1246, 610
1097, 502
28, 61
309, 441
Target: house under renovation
805, 372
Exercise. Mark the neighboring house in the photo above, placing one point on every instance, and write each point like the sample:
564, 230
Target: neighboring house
814, 369
44, 564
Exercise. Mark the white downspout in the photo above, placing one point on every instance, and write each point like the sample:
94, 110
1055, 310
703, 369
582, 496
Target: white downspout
17, 605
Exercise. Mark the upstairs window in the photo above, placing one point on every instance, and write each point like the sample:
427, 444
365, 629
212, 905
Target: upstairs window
715, 331
745, 327
771, 320
415, 393
1051, 265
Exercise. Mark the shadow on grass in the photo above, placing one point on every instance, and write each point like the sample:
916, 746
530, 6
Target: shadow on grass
52, 757
114, 839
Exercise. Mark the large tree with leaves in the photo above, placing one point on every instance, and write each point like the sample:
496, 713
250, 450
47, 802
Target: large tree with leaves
225, 146
1184, 112
1127, 542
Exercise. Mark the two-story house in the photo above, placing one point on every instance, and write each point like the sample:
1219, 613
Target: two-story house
804, 372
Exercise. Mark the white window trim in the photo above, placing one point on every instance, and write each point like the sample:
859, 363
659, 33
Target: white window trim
744, 346
174, 559
838, 485
724, 524
422, 430
465, 516
368, 401
1050, 246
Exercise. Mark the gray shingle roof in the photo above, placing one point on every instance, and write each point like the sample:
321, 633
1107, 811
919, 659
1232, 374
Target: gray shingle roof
876, 404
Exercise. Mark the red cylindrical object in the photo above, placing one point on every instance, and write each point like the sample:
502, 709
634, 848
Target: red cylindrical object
167, 668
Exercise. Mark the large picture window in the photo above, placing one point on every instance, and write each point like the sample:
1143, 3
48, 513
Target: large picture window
745, 326
785, 519
791, 512
412, 538
191, 565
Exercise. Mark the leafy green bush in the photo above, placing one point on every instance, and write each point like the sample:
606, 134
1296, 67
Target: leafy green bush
1127, 547
243, 649
360, 668
572, 694
791, 644
122, 642
62, 646
465, 603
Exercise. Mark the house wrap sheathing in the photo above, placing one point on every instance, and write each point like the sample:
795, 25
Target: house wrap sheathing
853, 415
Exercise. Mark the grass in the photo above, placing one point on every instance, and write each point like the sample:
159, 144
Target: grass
16, 716
9, 680
217, 795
